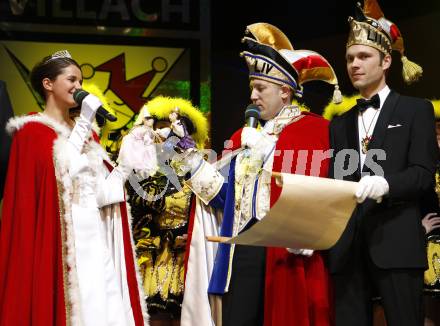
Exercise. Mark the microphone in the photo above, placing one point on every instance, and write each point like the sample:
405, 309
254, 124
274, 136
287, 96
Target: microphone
252, 115
78, 97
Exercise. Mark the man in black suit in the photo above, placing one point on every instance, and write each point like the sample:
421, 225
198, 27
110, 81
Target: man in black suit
391, 139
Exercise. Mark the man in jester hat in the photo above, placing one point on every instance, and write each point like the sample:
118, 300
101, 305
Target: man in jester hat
257, 285
383, 246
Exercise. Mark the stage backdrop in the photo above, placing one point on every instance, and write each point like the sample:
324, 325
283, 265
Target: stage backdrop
127, 76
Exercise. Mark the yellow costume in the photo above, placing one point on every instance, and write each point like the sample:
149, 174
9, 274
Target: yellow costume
160, 216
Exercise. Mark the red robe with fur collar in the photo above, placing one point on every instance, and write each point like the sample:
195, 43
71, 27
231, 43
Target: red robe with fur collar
296, 287
34, 264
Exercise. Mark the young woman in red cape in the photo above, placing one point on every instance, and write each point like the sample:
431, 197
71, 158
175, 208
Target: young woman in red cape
66, 255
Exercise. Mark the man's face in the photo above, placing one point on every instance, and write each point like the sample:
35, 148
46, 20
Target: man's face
268, 97
365, 67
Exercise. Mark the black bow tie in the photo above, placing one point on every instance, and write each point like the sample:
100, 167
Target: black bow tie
364, 104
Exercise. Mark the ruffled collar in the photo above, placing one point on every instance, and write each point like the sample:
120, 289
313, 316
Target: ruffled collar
282, 119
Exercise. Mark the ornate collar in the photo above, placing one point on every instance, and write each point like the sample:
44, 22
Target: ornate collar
284, 117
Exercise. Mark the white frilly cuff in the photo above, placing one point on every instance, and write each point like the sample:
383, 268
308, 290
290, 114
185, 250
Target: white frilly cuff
205, 182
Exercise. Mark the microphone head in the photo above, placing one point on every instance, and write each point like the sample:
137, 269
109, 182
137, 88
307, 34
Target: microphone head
78, 95
252, 111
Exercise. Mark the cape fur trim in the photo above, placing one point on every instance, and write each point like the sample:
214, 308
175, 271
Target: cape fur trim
98, 153
16, 123
61, 164
95, 154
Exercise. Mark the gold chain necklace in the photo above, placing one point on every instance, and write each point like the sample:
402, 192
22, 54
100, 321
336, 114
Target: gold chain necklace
365, 142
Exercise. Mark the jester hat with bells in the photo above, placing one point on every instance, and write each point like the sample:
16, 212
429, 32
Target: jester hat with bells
370, 27
270, 56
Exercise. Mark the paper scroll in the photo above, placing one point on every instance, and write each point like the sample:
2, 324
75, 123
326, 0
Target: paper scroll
311, 213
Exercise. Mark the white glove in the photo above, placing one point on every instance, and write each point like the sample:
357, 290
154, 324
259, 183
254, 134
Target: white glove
304, 252
124, 160
110, 190
258, 141
371, 186
83, 125
250, 137
89, 106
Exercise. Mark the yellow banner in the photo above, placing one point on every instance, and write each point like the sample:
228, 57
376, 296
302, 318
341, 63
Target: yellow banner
126, 74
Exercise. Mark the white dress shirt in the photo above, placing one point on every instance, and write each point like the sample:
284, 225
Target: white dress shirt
369, 117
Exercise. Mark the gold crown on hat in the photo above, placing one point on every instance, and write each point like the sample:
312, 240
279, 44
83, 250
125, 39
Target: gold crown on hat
370, 27
270, 56
368, 34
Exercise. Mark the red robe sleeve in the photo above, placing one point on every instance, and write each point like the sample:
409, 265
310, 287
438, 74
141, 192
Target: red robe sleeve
31, 256
297, 287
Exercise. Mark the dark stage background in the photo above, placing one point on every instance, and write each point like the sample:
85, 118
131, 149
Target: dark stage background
320, 26
212, 33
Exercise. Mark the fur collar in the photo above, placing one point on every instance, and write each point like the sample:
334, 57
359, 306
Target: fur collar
16, 123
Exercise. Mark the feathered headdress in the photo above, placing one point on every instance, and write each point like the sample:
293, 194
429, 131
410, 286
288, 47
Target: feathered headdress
160, 107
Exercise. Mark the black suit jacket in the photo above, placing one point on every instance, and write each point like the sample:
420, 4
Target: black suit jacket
393, 234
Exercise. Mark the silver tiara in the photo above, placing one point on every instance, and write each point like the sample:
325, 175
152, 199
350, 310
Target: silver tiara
60, 54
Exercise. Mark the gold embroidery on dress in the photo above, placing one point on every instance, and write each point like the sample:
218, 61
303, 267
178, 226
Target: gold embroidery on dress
160, 250
248, 173
176, 210
432, 274
68, 304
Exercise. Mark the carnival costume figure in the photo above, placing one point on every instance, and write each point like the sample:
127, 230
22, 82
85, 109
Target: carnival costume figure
139, 145
161, 206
